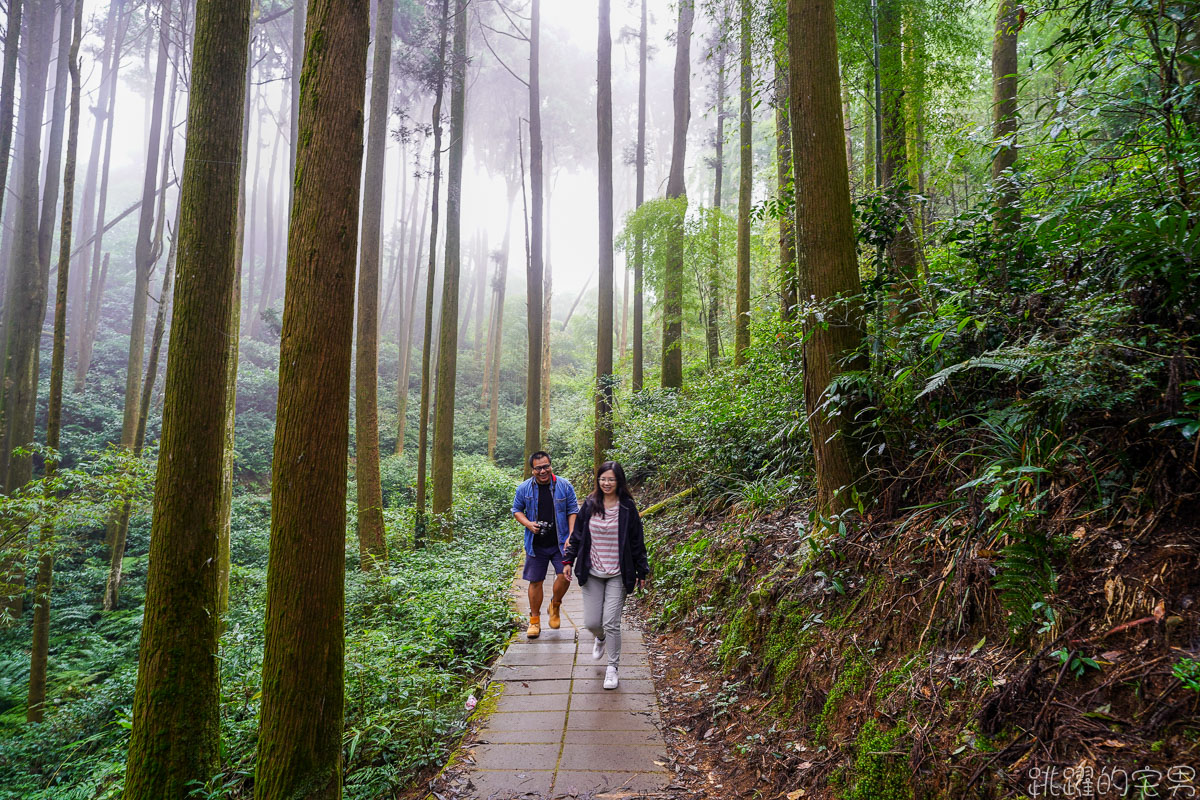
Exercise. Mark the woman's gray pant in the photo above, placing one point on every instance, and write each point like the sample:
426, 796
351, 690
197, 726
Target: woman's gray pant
603, 603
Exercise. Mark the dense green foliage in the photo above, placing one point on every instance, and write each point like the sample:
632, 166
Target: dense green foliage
417, 636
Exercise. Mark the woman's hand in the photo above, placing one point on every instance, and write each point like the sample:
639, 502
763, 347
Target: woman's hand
567, 571
641, 584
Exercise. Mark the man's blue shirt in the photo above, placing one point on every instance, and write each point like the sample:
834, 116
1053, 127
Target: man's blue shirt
565, 504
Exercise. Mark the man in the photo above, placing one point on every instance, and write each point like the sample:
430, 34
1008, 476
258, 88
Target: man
545, 505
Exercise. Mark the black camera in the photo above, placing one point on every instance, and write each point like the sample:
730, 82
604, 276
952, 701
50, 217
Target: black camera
545, 527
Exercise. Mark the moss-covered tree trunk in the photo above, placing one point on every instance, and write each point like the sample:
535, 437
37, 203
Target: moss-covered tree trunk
371, 545
602, 440
39, 657
443, 422
300, 730
25, 292
902, 252
672, 339
741, 327
143, 262
824, 240
430, 285
533, 271
639, 368
175, 739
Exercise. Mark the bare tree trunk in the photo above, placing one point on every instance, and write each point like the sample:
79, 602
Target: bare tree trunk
1004, 115
533, 277
79, 294
547, 298
443, 423
741, 327
272, 256
789, 279
175, 740
251, 239
496, 339
371, 544
404, 376
492, 352
40, 650
143, 263
639, 245
99, 274
8, 89
712, 313
604, 317
481, 288
825, 240
672, 357
300, 734
25, 293
430, 283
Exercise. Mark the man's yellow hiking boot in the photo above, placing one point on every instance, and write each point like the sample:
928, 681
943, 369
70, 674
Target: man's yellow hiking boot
555, 619
535, 627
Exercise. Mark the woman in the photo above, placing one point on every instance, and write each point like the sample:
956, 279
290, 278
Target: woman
607, 544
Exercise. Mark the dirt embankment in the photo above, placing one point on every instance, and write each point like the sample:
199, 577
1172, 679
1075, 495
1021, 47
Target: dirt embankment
885, 663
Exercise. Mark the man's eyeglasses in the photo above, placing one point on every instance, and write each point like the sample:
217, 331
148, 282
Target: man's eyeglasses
542, 469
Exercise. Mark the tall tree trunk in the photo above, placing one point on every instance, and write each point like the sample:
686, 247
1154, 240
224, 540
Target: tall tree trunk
78, 296
175, 739
431, 282
8, 89
672, 340
638, 245
789, 279
371, 544
824, 240
273, 256
225, 536
712, 313
602, 441
741, 328
493, 414
492, 352
481, 288
25, 292
144, 257
443, 423
99, 274
547, 299
300, 734
39, 656
250, 241
533, 277
403, 379
1004, 115
902, 251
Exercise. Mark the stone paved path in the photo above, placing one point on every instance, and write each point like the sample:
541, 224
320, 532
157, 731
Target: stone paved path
556, 732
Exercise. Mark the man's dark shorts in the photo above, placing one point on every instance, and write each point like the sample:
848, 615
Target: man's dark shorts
536, 564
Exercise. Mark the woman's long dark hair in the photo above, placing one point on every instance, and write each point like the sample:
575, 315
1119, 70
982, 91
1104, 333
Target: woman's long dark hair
597, 496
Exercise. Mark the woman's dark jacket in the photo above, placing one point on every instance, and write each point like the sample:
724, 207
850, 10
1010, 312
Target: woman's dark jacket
630, 544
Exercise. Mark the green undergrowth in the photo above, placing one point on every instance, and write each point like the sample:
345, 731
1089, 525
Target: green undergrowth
417, 635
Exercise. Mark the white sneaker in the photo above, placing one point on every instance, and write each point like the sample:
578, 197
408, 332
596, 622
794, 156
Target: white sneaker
610, 678
598, 649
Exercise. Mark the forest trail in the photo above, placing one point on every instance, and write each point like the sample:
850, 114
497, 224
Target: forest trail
555, 731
